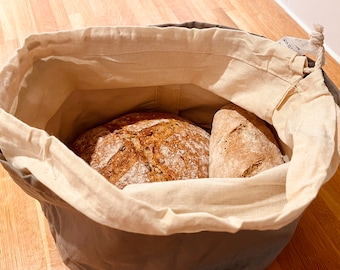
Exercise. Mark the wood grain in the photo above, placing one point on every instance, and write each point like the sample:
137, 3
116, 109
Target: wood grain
25, 241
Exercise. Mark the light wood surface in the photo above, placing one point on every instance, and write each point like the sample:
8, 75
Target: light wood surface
25, 241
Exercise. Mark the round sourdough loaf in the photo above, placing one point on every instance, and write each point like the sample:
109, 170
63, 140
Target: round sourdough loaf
146, 147
241, 144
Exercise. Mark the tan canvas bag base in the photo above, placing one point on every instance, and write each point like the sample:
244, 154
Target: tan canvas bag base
59, 84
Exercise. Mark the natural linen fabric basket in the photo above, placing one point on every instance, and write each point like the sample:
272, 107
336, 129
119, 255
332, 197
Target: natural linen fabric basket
59, 84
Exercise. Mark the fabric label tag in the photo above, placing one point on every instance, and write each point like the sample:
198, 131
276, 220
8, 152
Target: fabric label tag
300, 46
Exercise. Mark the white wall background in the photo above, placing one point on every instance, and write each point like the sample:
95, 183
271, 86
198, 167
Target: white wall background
325, 12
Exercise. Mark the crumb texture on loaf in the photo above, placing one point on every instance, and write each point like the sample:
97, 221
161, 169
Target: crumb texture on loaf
241, 144
146, 147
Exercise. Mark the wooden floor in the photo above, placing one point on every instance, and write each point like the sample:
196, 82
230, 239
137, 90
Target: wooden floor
25, 242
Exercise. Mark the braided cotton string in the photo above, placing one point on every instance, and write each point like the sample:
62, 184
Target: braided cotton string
316, 39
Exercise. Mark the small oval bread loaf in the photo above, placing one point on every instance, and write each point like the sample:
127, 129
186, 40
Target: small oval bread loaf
241, 144
146, 147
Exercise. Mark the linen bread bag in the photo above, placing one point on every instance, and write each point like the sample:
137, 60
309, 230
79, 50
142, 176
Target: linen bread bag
60, 84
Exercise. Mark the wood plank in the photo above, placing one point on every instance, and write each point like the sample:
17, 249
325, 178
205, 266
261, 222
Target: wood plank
25, 241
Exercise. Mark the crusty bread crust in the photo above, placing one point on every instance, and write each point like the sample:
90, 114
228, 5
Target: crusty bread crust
146, 147
241, 144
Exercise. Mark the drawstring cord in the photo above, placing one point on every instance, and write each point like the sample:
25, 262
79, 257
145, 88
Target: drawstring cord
317, 39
